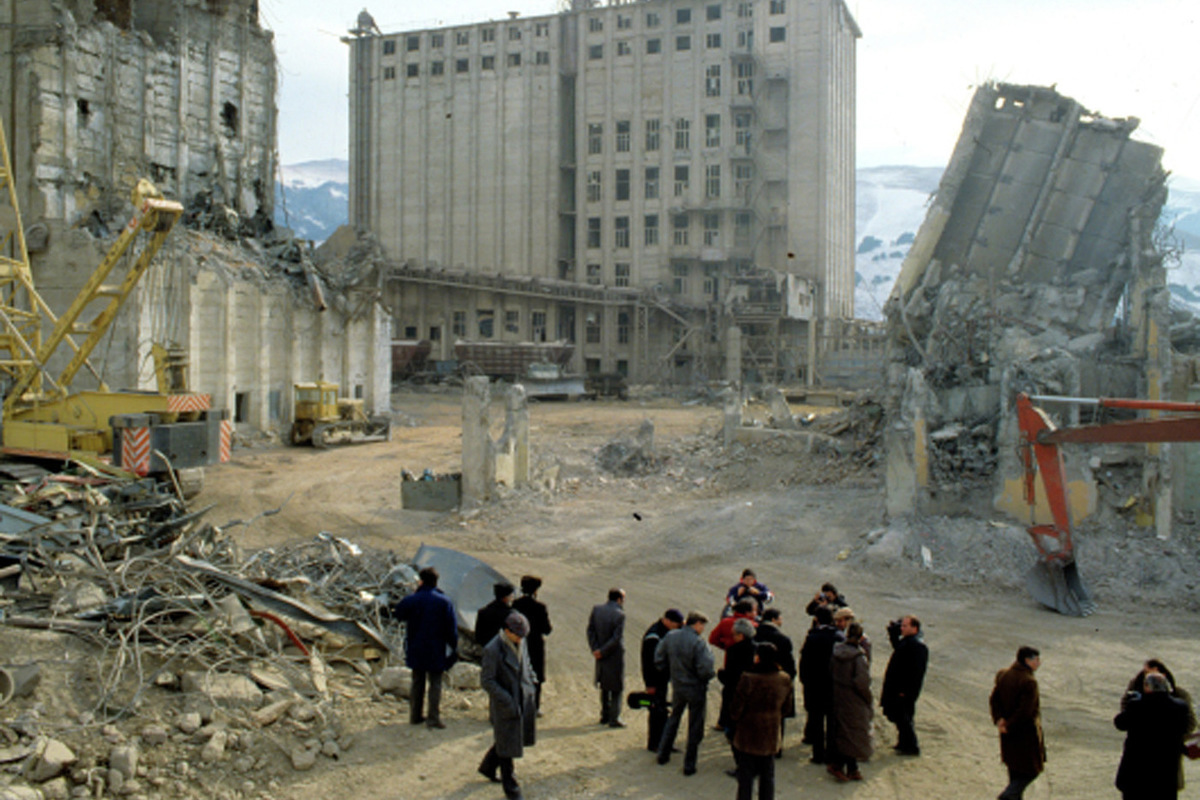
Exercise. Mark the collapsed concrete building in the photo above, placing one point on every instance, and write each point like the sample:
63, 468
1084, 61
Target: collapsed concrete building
96, 94
1035, 270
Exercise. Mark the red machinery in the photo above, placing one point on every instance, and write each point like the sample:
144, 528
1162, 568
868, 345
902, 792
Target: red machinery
1055, 580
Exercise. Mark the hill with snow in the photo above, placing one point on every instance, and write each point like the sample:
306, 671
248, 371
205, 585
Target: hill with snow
314, 198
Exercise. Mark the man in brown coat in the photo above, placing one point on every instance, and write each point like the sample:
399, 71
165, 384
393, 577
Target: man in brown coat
1016, 711
756, 712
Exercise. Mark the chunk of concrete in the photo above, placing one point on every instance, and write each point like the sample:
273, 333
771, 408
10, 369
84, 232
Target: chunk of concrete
214, 748
52, 759
124, 759
223, 687
395, 680
464, 675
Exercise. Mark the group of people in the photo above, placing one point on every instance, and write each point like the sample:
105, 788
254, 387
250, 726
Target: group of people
757, 677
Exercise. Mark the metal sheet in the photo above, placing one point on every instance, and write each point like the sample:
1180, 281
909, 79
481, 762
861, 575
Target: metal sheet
466, 580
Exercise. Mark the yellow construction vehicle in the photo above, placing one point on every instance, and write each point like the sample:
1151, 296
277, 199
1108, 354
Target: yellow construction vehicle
41, 417
323, 419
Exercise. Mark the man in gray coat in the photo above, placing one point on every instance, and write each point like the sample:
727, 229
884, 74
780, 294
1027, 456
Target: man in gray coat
606, 638
686, 655
507, 677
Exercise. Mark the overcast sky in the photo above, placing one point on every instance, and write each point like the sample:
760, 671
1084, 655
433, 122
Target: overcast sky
918, 63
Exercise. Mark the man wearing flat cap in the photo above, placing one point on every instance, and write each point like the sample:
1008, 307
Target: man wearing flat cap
507, 677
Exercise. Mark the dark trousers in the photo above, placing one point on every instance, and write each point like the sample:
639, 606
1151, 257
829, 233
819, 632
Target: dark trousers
818, 729
694, 702
419, 676
906, 732
1016, 785
750, 767
610, 705
657, 718
491, 762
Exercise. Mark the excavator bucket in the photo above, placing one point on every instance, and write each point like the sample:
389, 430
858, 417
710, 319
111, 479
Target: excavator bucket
1059, 586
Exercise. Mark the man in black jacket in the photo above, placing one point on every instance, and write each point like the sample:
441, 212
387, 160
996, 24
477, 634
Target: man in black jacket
817, 680
490, 619
903, 680
657, 680
1155, 724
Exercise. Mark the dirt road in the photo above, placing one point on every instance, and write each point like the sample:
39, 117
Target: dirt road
687, 543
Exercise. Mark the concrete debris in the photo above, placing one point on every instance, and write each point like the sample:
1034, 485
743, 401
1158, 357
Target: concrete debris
50, 760
634, 456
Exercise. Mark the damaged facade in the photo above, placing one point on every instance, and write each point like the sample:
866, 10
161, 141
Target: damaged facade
97, 94
1035, 271
666, 185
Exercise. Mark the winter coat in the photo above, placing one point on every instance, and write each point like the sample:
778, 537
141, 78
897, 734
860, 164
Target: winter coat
722, 633
688, 660
768, 632
1138, 685
1155, 725
1015, 700
507, 676
606, 633
739, 659
853, 704
652, 676
430, 629
756, 711
814, 667
904, 676
539, 628
489, 620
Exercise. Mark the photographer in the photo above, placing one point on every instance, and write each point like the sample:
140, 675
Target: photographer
828, 596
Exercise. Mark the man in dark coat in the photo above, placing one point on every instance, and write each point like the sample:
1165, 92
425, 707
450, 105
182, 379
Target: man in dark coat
770, 632
815, 677
739, 659
606, 638
657, 680
757, 714
430, 640
507, 677
1155, 724
853, 706
538, 615
1137, 687
902, 681
490, 619
1016, 710
687, 658
828, 596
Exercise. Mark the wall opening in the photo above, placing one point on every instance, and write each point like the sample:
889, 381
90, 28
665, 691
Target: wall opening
358, 391
275, 405
229, 119
241, 407
118, 12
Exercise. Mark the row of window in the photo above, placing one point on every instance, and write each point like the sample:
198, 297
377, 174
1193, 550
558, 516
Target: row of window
485, 318
743, 174
681, 134
681, 225
683, 43
463, 65
437, 39
683, 16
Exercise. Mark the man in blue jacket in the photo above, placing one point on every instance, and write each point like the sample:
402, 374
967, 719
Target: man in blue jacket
430, 644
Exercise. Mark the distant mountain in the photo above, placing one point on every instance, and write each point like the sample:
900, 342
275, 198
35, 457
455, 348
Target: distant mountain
314, 198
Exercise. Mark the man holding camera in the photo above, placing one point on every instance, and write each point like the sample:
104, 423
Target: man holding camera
903, 680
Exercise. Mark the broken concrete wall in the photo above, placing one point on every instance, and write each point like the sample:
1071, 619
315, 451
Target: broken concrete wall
1033, 271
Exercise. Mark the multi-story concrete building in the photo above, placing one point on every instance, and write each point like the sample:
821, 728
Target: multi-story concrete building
667, 184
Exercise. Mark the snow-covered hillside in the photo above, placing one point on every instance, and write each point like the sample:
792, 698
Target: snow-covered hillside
313, 199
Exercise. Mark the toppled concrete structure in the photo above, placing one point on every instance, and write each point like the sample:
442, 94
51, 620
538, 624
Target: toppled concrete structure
1035, 270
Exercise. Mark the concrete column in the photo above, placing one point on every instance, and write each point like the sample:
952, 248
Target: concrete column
733, 355
512, 454
478, 460
781, 412
261, 416
731, 403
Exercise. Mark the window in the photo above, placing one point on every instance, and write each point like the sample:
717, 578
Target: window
622, 275
593, 232
683, 134
593, 274
541, 29
711, 272
623, 323
741, 229
741, 132
683, 43
712, 80
437, 40
624, 48
681, 180
595, 24
389, 73
412, 70
459, 326
592, 336
778, 34
487, 35
412, 44
743, 175
653, 19
712, 12
487, 62
462, 38
485, 321
622, 187
437, 67
621, 225
651, 183
745, 10
778, 6
512, 321
652, 138
514, 34
624, 23
680, 225
389, 47
745, 39
679, 274
651, 230
712, 130
712, 229
537, 322
745, 78
653, 46
593, 186
595, 52
461, 65
712, 41
435, 333
541, 57
623, 136
712, 180
514, 59
683, 16
595, 138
